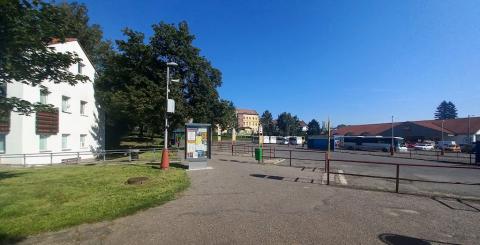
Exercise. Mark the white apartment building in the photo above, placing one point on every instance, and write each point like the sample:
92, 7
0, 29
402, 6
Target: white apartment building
55, 136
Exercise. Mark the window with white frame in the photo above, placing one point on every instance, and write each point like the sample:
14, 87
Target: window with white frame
65, 141
2, 143
65, 104
43, 96
83, 140
80, 67
83, 108
43, 146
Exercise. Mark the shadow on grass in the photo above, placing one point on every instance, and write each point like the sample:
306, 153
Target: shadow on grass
6, 175
8, 239
173, 165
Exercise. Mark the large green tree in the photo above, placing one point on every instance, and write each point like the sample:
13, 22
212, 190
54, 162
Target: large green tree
313, 128
26, 29
446, 110
133, 84
267, 123
288, 125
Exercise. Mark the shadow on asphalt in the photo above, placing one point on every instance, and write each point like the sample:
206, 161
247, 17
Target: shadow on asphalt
394, 239
298, 179
456, 204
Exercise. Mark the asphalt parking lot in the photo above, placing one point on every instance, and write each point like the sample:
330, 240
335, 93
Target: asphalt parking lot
347, 162
241, 202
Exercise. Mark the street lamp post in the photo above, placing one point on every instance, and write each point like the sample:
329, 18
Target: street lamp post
442, 152
469, 136
392, 149
165, 160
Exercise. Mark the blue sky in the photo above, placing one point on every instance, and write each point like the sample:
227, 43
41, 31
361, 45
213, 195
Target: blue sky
352, 61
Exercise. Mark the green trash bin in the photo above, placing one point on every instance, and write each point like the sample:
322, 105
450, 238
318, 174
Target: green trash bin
258, 154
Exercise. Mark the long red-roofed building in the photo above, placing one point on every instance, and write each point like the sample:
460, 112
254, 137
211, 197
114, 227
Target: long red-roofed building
459, 130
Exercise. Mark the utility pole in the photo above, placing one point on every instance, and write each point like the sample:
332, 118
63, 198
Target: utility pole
392, 149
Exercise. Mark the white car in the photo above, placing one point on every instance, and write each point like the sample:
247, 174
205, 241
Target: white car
424, 147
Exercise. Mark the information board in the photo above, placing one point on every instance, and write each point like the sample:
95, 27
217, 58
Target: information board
198, 141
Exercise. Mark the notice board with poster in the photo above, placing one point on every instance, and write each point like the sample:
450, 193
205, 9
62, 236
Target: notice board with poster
198, 141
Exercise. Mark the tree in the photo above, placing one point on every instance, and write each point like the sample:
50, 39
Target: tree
446, 110
90, 36
132, 86
313, 128
288, 124
267, 123
26, 29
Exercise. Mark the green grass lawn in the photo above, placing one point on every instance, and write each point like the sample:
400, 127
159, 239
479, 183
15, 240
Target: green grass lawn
43, 199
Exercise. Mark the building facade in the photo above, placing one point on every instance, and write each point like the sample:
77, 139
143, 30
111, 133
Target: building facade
248, 121
74, 125
460, 130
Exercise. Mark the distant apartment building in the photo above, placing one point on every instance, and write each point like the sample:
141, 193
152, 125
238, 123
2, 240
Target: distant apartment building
74, 125
248, 121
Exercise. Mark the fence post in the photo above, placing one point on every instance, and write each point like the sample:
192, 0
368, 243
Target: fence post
51, 158
232, 149
410, 154
274, 152
327, 162
397, 181
104, 155
78, 157
24, 160
438, 156
154, 158
326, 159
129, 155
252, 151
470, 155
290, 158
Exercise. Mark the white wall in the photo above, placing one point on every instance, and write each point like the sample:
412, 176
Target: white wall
23, 139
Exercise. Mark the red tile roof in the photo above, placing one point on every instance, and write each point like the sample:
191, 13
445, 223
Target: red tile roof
246, 111
369, 129
457, 126
58, 40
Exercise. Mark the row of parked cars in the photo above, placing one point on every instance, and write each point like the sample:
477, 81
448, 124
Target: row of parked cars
451, 146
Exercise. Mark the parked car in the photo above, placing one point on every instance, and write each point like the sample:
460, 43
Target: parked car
468, 148
410, 145
282, 141
424, 147
448, 146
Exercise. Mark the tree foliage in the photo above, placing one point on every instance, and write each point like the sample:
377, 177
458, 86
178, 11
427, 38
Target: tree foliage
313, 128
288, 125
133, 85
266, 120
26, 29
446, 110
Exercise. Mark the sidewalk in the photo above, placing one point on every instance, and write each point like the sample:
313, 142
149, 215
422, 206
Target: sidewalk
244, 203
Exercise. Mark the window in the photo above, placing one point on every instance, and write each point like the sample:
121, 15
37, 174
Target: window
43, 96
65, 141
2, 143
65, 104
80, 67
83, 106
43, 142
83, 138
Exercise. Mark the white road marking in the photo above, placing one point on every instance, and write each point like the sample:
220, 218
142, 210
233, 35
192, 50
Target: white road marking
279, 161
342, 178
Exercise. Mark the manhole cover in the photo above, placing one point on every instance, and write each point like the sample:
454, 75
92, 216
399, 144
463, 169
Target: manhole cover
137, 180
